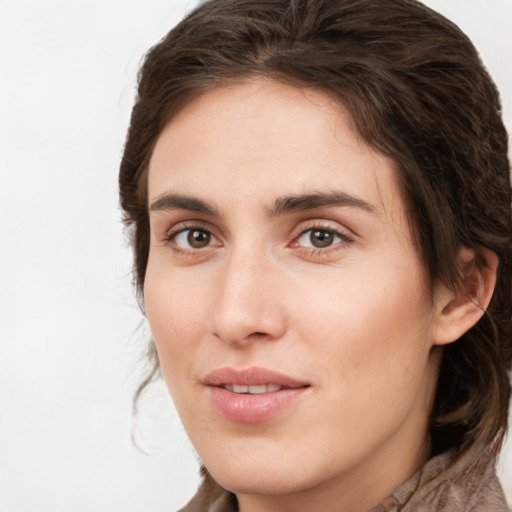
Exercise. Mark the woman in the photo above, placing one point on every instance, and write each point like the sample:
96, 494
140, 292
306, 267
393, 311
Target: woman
320, 197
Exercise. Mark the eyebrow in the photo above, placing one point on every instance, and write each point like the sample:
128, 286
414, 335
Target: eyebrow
281, 206
180, 202
304, 202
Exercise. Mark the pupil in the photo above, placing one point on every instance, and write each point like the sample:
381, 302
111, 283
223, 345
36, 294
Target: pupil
198, 239
321, 238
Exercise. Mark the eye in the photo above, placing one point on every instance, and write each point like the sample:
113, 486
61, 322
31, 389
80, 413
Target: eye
193, 238
319, 238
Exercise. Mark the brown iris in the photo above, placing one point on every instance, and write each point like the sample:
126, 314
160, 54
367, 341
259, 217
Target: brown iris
198, 239
320, 238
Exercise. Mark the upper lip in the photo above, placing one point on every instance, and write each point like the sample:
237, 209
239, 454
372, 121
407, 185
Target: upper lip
253, 376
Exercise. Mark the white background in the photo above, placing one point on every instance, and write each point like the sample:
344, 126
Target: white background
70, 338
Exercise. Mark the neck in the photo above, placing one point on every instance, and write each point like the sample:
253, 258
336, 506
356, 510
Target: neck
359, 490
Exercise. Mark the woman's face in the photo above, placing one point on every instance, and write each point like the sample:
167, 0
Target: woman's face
286, 298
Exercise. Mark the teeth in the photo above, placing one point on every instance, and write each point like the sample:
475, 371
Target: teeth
253, 390
257, 390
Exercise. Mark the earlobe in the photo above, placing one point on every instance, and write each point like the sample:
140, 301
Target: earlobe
459, 310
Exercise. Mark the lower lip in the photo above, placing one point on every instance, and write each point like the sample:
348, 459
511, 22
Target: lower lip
247, 408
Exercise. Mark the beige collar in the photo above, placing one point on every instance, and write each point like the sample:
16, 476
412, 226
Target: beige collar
468, 484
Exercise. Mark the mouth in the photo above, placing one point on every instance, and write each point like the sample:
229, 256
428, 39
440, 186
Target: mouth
252, 390
252, 395
254, 380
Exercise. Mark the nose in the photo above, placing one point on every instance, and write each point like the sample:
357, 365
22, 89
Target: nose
248, 304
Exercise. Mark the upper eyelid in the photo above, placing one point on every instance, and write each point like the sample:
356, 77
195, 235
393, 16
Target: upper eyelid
324, 224
189, 224
336, 232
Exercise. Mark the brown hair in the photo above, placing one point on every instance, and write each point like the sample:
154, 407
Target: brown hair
418, 92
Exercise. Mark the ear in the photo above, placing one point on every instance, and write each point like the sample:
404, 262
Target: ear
460, 309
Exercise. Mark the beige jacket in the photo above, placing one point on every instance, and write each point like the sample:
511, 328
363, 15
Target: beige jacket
469, 485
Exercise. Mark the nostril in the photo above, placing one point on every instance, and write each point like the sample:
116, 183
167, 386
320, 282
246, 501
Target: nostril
258, 336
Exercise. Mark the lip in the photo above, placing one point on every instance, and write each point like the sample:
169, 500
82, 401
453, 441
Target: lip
252, 408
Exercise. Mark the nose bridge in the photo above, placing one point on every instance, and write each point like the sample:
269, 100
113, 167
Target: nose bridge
247, 304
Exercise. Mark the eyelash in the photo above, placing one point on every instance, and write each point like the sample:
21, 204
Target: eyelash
344, 237
171, 235
301, 231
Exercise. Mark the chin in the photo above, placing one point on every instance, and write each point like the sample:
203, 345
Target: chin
258, 482
266, 471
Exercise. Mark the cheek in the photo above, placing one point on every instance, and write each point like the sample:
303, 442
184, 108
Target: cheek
373, 326
176, 313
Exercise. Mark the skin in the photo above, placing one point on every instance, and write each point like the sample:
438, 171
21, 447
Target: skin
353, 318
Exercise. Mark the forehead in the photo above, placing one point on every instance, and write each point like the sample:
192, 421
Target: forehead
254, 141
